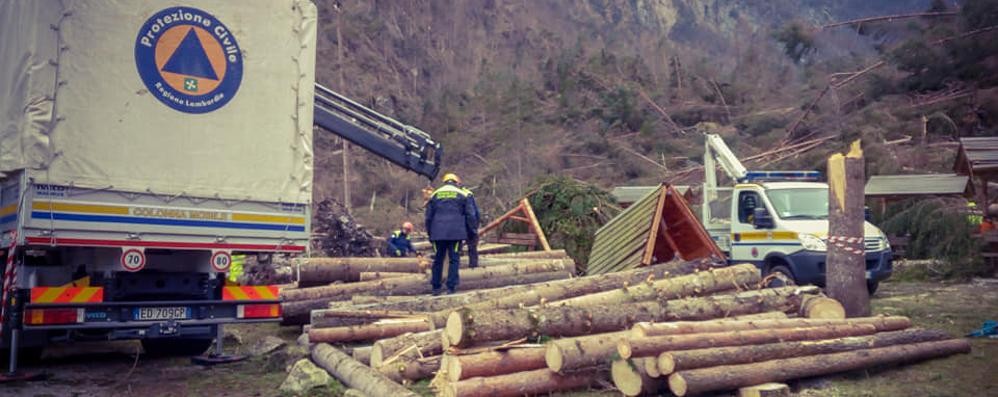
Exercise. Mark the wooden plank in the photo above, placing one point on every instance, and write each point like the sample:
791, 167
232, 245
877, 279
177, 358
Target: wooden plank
535, 224
655, 225
627, 230
610, 225
494, 224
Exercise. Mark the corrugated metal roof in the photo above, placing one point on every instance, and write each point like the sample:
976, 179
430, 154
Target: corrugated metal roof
620, 244
977, 156
631, 194
916, 185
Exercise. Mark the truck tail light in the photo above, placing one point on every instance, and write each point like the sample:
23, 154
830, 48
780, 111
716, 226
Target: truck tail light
266, 310
54, 316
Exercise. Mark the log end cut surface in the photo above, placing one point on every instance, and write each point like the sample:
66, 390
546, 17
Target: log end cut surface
454, 329
553, 357
626, 377
677, 384
666, 364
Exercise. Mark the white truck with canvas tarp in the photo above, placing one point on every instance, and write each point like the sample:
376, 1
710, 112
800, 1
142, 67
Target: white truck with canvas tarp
142, 145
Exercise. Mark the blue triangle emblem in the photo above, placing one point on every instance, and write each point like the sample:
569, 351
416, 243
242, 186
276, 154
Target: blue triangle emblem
190, 59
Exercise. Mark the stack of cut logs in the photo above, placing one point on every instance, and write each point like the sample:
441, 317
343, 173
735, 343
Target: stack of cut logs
684, 327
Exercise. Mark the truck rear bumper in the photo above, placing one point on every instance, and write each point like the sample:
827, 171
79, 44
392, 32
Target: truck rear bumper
124, 318
809, 266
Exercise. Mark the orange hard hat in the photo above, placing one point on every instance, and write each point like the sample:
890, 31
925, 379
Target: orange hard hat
407, 226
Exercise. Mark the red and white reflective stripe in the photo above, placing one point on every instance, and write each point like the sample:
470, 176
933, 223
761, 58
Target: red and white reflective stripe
852, 245
9, 275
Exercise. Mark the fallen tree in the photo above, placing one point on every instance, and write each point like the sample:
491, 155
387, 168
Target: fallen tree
541, 381
410, 369
466, 326
356, 375
697, 381
702, 283
669, 362
494, 362
641, 330
368, 332
296, 312
654, 345
542, 293
419, 344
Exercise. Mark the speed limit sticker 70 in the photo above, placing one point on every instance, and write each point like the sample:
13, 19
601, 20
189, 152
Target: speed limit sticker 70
220, 261
133, 259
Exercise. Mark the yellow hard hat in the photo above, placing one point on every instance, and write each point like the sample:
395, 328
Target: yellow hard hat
451, 177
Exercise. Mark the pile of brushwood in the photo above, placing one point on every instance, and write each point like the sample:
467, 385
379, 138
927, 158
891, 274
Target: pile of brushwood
338, 234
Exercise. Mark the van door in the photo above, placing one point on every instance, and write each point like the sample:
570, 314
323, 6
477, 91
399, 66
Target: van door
744, 236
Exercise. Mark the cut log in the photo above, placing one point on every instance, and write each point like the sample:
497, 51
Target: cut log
540, 381
655, 345
411, 369
356, 375
761, 316
320, 271
465, 326
327, 318
672, 361
541, 293
583, 351
296, 312
368, 332
359, 300
822, 307
496, 362
641, 330
553, 254
698, 284
362, 354
727, 377
413, 283
426, 343
765, 390
368, 276
631, 379
651, 367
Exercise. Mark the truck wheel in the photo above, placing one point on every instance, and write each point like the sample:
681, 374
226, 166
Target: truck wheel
872, 286
176, 346
780, 276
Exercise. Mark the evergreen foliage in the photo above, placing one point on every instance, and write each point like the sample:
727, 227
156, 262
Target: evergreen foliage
938, 228
570, 212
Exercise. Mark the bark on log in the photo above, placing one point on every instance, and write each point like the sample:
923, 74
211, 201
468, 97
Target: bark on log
368, 332
631, 378
328, 318
641, 330
368, 276
467, 326
538, 294
669, 362
761, 316
426, 343
362, 354
655, 345
698, 284
320, 271
492, 363
553, 254
296, 312
359, 300
541, 381
411, 284
846, 264
583, 351
411, 369
356, 375
697, 381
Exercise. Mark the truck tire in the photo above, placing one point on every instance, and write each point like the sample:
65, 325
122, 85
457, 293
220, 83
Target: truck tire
176, 346
872, 286
780, 276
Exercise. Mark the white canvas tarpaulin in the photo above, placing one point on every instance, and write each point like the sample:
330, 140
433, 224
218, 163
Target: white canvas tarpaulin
77, 111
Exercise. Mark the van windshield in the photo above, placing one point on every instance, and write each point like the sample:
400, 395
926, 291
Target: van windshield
806, 203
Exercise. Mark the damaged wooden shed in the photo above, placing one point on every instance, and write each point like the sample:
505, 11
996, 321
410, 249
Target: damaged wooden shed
657, 228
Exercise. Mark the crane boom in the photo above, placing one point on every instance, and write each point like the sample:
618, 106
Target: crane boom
717, 150
404, 145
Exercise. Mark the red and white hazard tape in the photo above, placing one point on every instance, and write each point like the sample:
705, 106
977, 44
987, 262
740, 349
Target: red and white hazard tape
9, 275
849, 244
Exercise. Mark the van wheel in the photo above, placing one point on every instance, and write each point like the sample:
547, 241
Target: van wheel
176, 346
872, 286
779, 276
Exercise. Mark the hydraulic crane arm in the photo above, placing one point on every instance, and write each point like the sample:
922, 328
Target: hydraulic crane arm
717, 150
403, 145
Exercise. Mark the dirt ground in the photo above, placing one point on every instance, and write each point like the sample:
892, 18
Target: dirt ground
111, 368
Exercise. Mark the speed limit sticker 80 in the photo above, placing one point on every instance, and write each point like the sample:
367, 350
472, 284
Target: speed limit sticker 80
133, 259
220, 261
